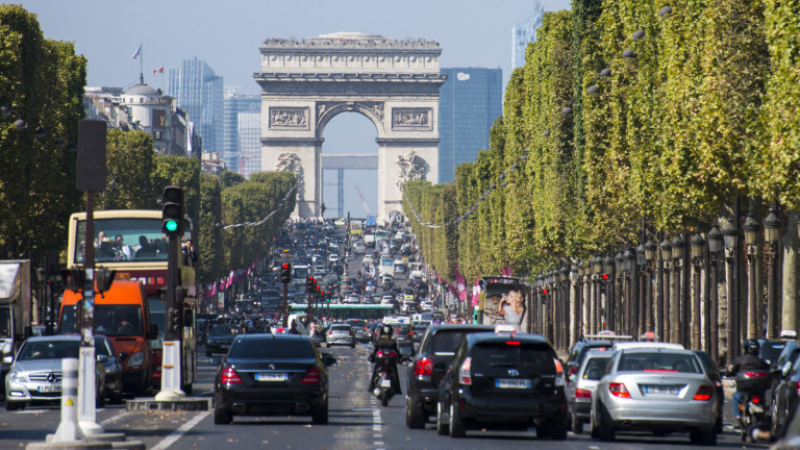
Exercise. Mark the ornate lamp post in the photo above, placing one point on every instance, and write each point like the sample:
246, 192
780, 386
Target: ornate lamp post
681, 317
751, 229
731, 237
629, 265
586, 298
575, 292
538, 304
772, 227
664, 309
715, 246
650, 249
563, 315
608, 281
597, 269
641, 264
697, 243
619, 290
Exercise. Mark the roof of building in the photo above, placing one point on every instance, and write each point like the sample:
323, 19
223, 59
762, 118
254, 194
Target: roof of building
142, 89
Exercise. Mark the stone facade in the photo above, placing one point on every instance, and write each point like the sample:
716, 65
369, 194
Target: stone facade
395, 84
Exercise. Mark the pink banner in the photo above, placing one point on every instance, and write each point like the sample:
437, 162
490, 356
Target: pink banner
476, 292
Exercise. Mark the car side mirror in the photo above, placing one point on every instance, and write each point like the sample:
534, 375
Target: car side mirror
8, 359
786, 368
123, 356
102, 358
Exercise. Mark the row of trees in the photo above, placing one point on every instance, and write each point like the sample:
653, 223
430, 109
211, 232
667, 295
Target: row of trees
41, 101
699, 107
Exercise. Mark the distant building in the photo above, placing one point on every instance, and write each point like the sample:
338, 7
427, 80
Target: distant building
212, 163
143, 108
469, 102
198, 91
238, 150
524, 33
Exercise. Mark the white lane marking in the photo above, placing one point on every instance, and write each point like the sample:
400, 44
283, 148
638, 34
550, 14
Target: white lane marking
177, 434
114, 418
33, 411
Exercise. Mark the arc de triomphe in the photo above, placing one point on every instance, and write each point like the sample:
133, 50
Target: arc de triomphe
395, 84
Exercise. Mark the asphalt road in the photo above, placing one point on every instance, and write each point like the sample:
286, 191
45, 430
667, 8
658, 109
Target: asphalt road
356, 422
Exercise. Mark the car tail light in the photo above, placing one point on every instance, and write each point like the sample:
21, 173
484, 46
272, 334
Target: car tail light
463, 373
755, 374
379, 354
311, 377
583, 393
798, 388
512, 343
755, 398
618, 390
229, 376
423, 367
330, 333
704, 393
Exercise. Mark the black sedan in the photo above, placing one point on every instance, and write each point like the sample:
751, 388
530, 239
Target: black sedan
269, 374
220, 338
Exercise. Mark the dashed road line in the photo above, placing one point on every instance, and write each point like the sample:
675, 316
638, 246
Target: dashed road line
177, 434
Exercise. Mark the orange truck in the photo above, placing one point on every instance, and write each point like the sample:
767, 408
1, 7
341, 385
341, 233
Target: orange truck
123, 315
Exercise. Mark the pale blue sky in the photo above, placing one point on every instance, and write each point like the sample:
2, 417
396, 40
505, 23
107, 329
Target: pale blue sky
227, 36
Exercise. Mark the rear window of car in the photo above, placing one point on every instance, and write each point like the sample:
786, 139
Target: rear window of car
539, 359
341, 328
595, 367
268, 348
659, 362
357, 323
770, 351
445, 343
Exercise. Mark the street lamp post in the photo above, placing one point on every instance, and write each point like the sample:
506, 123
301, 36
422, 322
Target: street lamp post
641, 263
712, 323
597, 268
630, 262
751, 229
608, 281
664, 299
679, 304
565, 315
772, 227
731, 237
697, 243
586, 298
619, 290
575, 283
650, 249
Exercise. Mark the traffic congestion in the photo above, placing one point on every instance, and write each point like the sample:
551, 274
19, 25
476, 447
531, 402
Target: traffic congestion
278, 353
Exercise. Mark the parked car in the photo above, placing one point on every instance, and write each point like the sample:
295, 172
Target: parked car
581, 386
785, 392
340, 334
660, 390
221, 337
35, 375
502, 382
426, 369
268, 374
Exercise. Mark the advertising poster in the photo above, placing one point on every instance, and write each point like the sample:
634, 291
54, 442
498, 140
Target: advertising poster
505, 302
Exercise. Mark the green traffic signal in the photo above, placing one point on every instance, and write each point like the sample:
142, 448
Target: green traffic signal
171, 225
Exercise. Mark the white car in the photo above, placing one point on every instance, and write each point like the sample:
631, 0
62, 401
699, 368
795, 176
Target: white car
333, 257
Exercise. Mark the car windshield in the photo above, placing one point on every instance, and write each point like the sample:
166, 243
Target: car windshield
341, 328
771, 350
446, 343
269, 348
109, 320
502, 355
37, 350
595, 368
658, 362
222, 330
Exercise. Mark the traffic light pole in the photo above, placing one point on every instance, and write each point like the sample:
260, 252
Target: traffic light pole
171, 363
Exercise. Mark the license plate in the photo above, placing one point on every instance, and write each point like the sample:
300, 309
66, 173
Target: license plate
512, 383
272, 376
386, 383
661, 390
49, 388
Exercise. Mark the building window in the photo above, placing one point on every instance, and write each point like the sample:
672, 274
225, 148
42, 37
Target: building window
157, 135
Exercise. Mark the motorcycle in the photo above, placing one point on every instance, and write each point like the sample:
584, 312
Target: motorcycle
385, 360
752, 384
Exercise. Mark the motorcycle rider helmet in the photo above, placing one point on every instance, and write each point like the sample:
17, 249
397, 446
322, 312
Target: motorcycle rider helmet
751, 347
387, 332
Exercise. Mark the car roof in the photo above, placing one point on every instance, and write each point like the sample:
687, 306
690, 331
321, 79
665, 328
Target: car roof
460, 327
492, 338
680, 351
646, 345
56, 337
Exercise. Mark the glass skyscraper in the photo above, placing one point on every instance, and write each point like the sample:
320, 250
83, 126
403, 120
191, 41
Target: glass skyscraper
198, 91
524, 33
237, 150
469, 102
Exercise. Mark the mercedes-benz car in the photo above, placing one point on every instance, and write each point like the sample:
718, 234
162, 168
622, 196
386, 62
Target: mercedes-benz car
220, 338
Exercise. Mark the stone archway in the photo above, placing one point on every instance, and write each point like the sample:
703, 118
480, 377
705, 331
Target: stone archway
395, 84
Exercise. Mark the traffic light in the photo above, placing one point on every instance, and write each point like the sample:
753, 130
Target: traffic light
339, 279
286, 273
172, 211
103, 279
311, 284
175, 319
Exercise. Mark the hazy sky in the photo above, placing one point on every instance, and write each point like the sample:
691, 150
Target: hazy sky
227, 36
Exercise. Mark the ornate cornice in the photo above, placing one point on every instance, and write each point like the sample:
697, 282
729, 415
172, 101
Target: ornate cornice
407, 142
284, 77
291, 142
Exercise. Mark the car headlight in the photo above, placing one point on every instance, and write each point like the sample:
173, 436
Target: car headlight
110, 369
135, 361
17, 377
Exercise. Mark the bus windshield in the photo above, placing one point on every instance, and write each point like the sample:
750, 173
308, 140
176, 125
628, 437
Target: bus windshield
109, 320
123, 239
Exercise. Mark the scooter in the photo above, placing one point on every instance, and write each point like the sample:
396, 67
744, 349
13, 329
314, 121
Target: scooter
384, 361
753, 384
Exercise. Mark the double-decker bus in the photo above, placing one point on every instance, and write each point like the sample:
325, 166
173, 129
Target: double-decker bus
132, 243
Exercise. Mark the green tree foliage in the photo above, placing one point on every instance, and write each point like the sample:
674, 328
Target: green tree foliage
42, 81
209, 245
180, 171
130, 163
230, 179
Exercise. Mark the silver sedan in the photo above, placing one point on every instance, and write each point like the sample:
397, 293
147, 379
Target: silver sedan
655, 389
341, 334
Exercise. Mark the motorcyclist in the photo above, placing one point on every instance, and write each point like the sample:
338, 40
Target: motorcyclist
748, 361
385, 341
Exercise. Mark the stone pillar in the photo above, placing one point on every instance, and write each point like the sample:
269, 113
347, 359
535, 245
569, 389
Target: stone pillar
789, 293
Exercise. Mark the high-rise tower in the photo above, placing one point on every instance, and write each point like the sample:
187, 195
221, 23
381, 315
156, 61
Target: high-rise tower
198, 91
524, 33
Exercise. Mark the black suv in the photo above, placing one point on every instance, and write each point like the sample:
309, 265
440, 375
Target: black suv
502, 382
428, 366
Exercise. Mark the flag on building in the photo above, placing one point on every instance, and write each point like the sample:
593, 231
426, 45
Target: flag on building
137, 52
158, 71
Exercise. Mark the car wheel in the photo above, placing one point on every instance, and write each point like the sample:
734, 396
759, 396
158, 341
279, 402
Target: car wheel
594, 431
703, 437
320, 415
605, 425
384, 399
100, 401
457, 429
14, 406
442, 428
776, 423
415, 416
222, 416
576, 424
353, 345
558, 430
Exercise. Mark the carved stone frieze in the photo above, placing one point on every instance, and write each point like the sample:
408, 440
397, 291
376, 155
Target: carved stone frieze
410, 167
412, 119
373, 108
290, 162
288, 117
